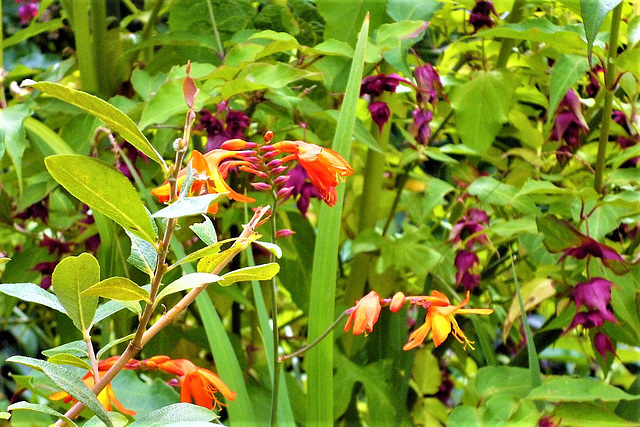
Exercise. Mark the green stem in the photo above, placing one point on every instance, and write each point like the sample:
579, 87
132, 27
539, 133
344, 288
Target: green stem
148, 26
609, 80
3, 101
316, 341
507, 44
274, 319
212, 18
84, 46
99, 39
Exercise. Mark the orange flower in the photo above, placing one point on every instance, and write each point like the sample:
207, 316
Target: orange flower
106, 396
440, 320
210, 172
325, 167
365, 314
196, 383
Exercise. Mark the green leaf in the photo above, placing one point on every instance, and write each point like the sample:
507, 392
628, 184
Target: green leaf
566, 389
36, 407
205, 231
418, 10
69, 279
113, 343
271, 247
32, 293
575, 414
189, 206
482, 107
4, 415
66, 380
75, 348
492, 191
107, 309
558, 234
110, 115
258, 272
143, 255
32, 30
167, 101
209, 262
118, 288
593, 13
502, 380
178, 412
188, 281
116, 418
274, 76
69, 359
105, 189
45, 139
325, 258
565, 72
11, 125
341, 22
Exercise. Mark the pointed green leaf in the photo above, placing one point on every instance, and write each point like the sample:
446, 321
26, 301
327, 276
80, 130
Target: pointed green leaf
189, 206
107, 309
36, 407
14, 141
66, 380
118, 288
566, 389
76, 348
593, 13
110, 115
143, 255
113, 343
69, 359
32, 293
208, 263
178, 412
103, 188
558, 234
205, 231
271, 247
116, 418
565, 72
188, 281
258, 272
482, 107
70, 278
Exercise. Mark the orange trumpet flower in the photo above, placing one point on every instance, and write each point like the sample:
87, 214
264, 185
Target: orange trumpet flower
440, 320
365, 314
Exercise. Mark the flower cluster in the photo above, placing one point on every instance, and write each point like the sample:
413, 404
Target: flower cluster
471, 226
568, 125
221, 130
197, 384
428, 87
440, 320
481, 15
374, 86
625, 141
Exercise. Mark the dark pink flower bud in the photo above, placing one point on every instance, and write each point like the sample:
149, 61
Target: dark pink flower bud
274, 163
173, 382
282, 179
481, 15
285, 232
429, 83
283, 193
278, 170
380, 113
602, 343
261, 186
27, 12
266, 148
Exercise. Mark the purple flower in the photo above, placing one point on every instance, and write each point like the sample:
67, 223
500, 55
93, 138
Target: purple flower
464, 262
593, 87
471, 224
56, 245
595, 295
91, 244
46, 269
419, 128
28, 11
219, 131
375, 85
379, 113
591, 247
429, 83
132, 154
37, 210
446, 387
237, 122
481, 15
569, 122
302, 188
602, 343
588, 320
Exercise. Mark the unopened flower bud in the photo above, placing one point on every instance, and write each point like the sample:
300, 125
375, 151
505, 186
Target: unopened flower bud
173, 382
238, 144
268, 136
261, 186
278, 170
282, 179
274, 163
283, 193
266, 147
285, 232
269, 154
396, 302
255, 172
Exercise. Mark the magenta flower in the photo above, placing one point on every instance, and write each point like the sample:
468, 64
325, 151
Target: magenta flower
588, 320
302, 188
419, 128
590, 247
219, 131
569, 122
595, 295
379, 113
55, 245
27, 11
46, 269
471, 224
375, 85
37, 210
429, 83
464, 262
602, 343
481, 15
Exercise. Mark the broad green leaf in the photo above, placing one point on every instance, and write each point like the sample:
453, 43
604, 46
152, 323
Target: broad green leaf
274, 76
566, 389
107, 309
533, 293
271, 247
113, 343
258, 272
341, 22
105, 189
419, 10
178, 412
565, 72
66, 380
110, 115
208, 263
116, 418
325, 259
425, 371
45, 139
11, 125
482, 107
118, 288
143, 255
188, 281
75, 348
209, 251
32, 293
503, 380
167, 101
36, 407
492, 191
576, 414
593, 13
189, 206
68, 359
629, 60
70, 278
558, 234
205, 231
4, 415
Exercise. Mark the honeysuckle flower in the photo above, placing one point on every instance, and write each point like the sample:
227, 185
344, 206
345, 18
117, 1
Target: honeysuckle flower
419, 128
325, 168
107, 397
197, 384
55, 245
446, 387
132, 154
595, 295
365, 314
396, 302
46, 269
380, 113
27, 11
481, 15
569, 122
440, 320
375, 85
37, 210
603, 344
219, 131
593, 87
302, 188
471, 224
429, 84
591, 247
211, 172
588, 320
464, 262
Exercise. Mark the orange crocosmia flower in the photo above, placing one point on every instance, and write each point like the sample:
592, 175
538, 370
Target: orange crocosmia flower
197, 384
440, 320
325, 167
365, 314
211, 172
106, 396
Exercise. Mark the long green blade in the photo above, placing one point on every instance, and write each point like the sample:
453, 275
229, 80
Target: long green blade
325, 259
